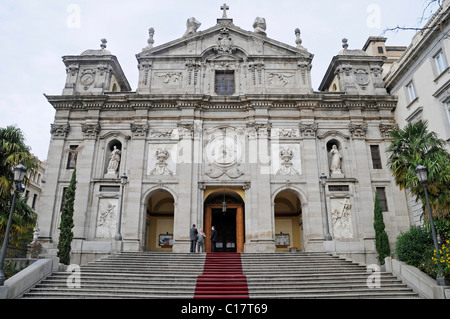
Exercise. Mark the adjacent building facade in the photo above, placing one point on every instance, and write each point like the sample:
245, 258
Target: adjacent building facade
34, 186
420, 79
224, 129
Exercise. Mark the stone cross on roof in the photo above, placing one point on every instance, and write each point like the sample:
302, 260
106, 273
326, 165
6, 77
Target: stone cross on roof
224, 8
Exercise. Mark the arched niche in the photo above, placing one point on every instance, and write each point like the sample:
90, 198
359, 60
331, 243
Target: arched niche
113, 158
329, 146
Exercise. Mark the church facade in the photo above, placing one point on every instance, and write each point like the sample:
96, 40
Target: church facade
225, 130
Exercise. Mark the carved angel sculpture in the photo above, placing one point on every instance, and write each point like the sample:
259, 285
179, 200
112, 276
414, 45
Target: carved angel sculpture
192, 25
260, 25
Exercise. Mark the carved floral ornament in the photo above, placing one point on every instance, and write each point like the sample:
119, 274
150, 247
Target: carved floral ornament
72, 69
59, 130
358, 130
309, 130
139, 130
90, 131
284, 133
386, 129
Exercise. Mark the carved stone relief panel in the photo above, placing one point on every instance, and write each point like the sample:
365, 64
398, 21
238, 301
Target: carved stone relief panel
280, 78
224, 152
284, 133
341, 215
286, 159
169, 78
108, 212
162, 159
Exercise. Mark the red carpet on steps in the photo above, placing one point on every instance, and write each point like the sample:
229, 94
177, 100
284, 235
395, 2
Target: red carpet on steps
222, 277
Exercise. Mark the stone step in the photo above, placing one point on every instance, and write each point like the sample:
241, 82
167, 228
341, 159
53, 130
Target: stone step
167, 275
341, 295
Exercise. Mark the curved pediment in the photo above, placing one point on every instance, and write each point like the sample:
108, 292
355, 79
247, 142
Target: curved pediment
215, 54
225, 39
253, 62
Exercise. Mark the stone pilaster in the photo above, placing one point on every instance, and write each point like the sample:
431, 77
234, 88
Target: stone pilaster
84, 179
48, 208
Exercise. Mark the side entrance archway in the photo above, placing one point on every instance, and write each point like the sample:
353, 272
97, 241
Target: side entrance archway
159, 221
288, 221
229, 224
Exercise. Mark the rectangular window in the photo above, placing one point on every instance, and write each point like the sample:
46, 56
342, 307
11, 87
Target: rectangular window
411, 92
376, 158
33, 205
224, 82
441, 64
448, 111
381, 192
380, 50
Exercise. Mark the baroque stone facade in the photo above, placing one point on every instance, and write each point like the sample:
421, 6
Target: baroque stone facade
221, 118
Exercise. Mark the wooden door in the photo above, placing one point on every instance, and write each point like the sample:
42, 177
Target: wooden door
239, 225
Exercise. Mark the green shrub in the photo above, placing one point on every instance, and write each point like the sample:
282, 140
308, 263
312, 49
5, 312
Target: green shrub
443, 228
381, 237
415, 246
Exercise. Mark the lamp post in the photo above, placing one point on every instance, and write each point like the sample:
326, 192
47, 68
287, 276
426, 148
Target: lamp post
19, 175
123, 181
323, 181
422, 175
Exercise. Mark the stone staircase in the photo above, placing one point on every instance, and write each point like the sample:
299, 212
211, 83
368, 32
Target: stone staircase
159, 275
315, 275
128, 275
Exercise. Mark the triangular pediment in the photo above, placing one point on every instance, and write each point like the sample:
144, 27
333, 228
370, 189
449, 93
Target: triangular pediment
225, 40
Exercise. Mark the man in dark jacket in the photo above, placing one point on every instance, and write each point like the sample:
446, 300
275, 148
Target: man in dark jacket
213, 238
193, 236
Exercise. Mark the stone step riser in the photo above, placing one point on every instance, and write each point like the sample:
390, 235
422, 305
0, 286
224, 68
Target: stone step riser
151, 275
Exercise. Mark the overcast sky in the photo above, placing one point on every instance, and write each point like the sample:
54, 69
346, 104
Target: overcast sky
34, 35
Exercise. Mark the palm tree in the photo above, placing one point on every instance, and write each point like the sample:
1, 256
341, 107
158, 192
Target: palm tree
415, 145
13, 150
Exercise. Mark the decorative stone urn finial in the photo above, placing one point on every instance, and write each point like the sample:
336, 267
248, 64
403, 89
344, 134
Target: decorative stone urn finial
103, 45
150, 41
298, 41
345, 43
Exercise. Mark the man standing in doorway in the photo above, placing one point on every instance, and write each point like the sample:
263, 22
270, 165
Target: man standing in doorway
213, 239
193, 236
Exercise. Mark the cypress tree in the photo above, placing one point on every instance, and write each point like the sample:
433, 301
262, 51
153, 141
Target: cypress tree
381, 237
66, 224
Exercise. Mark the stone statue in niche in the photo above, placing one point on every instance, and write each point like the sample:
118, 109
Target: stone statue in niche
114, 161
342, 225
192, 26
161, 165
260, 25
336, 158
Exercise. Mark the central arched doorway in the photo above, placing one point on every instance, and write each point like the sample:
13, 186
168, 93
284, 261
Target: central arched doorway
229, 224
